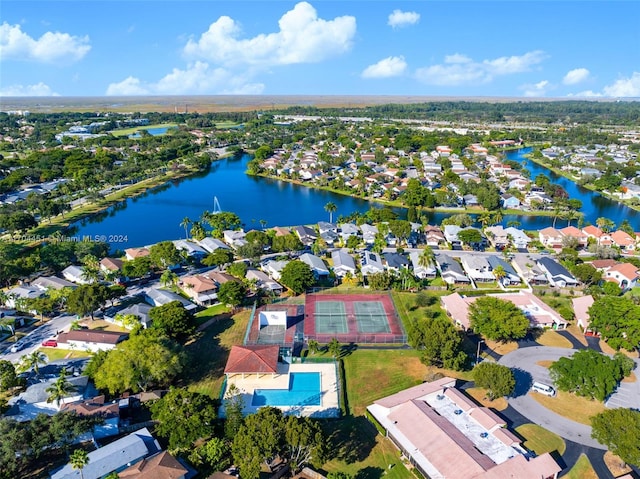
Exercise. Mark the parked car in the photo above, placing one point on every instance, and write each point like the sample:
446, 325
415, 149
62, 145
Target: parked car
50, 343
16, 347
543, 389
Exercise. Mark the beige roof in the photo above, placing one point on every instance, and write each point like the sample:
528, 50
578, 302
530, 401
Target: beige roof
581, 307
552, 232
593, 231
621, 238
199, 284
627, 270
487, 418
161, 466
137, 252
415, 392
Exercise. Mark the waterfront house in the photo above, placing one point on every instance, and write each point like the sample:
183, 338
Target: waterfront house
573, 232
434, 236
318, 267
347, 230
191, 248
443, 433
497, 236
550, 237
428, 271
451, 234
343, 263
596, 233
510, 201
557, 275
110, 265
324, 226
234, 238
369, 233
211, 244
306, 235
133, 253
450, 270
623, 240
371, 263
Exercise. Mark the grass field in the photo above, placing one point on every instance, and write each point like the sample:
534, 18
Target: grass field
211, 312
480, 396
211, 350
539, 440
572, 407
552, 339
616, 465
132, 130
582, 470
54, 354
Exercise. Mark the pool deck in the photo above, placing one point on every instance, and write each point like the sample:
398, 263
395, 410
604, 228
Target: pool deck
329, 406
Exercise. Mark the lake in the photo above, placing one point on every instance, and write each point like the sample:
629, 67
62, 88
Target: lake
152, 131
156, 215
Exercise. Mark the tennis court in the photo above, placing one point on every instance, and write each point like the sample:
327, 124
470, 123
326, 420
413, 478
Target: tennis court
352, 318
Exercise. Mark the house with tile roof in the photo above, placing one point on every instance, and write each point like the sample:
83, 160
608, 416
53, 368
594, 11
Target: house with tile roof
624, 275
444, 434
623, 240
252, 359
159, 466
201, 289
581, 307
90, 340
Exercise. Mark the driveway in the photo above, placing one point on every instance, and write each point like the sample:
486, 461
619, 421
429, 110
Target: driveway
628, 394
523, 361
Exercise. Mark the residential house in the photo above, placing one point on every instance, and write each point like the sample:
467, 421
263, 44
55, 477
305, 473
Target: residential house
470, 200
324, 226
160, 297
519, 238
581, 307
133, 253
623, 240
111, 265
369, 233
451, 234
91, 340
529, 270
264, 282
511, 277
573, 232
191, 248
428, 271
318, 267
539, 314
450, 270
444, 434
343, 263
33, 401
52, 282
497, 236
114, 457
510, 201
20, 293
234, 238
557, 275
371, 263
396, 262
550, 237
347, 230
98, 407
211, 244
307, 235
139, 310
201, 289
434, 236
159, 466
477, 268
274, 268
596, 233
75, 274
624, 275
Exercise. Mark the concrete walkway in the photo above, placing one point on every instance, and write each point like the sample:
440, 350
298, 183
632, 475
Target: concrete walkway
523, 362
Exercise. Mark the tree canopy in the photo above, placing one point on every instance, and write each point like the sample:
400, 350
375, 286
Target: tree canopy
497, 319
590, 374
439, 342
617, 319
173, 320
164, 254
232, 293
297, 276
619, 430
497, 379
87, 298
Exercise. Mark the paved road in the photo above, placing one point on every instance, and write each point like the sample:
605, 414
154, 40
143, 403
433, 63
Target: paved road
33, 340
627, 394
523, 361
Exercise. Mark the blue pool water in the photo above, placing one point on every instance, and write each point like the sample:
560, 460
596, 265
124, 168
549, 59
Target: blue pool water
304, 390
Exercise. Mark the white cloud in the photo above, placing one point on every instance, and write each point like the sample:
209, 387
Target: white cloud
39, 89
50, 47
459, 69
536, 89
398, 18
302, 38
386, 68
624, 87
575, 76
586, 94
197, 78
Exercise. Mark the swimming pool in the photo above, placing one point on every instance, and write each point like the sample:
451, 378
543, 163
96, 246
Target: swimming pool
304, 390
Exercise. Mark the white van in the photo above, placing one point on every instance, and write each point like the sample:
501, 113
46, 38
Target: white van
543, 389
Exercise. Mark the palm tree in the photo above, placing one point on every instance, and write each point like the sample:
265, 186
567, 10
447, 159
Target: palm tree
484, 218
33, 360
263, 223
185, 223
499, 272
334, 347
313, 346
496, 217
169, 278
330, 208
426, 257
60, 389
79, 459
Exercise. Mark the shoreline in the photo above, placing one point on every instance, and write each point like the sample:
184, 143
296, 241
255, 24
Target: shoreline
397, 204
571, 178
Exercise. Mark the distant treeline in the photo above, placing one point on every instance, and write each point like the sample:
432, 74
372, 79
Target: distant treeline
566, 112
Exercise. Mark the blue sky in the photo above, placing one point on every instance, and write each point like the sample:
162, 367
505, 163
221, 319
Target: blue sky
436, 48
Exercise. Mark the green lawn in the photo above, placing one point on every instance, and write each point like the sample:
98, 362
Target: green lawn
223, 125
211, 312
539, 440
209, 353
582, 469
53, 354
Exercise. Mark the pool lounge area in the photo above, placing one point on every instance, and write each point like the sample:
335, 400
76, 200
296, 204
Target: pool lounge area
309, 389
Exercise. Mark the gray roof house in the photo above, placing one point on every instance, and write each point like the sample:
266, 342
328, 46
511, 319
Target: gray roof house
420, 271
396, 261
477, 268
556, 273
307, 235
324, 226
75, 274
529, 270
511, 275
369, 233
450, 269
115, 456
348, 229
190, 247
316, 264
235, 238
211, 244
22, 292
159, 297
52, 282
264, 282
274, 268
343, 263
371, 263
141, 310
451, 233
